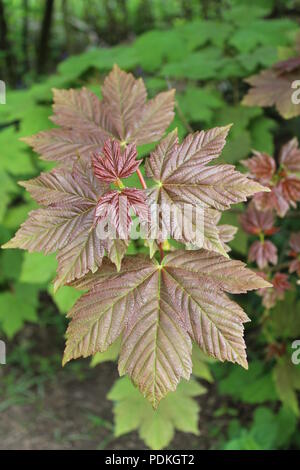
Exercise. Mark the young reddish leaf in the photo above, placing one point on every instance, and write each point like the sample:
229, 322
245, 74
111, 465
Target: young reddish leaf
280, 285
159, 309
295, 242
284, 184
184, 178
290, 156
263, 253
113, 163
254, 221
295, 266
274, 200
261, 166
271, 88
115, 207
290, 187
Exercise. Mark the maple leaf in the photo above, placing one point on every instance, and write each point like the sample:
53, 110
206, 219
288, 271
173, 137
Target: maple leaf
115, 207
83, 110
113, 164
295, 242
123, 114
263, 252
64, 145
283, 182
273, 88
274, 200
290, 188
287, 65
159, 309
290, 156
226, 234
65, 222
255, 222
184, 178
280, 284
262, 166
179, 410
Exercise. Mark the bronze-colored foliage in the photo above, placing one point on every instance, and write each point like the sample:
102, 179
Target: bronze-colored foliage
273, 87
158, 306
159, 309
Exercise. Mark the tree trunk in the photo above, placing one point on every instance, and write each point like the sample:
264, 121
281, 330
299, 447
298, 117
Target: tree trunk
43, 46
10, 63
67, 28
25, 37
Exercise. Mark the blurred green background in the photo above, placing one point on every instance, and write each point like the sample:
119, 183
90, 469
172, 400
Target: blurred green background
205, 49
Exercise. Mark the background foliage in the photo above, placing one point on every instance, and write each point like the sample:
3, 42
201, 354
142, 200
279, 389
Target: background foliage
205, 50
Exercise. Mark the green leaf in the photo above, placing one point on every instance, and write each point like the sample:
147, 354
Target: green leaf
17, 215
37, 268
155, 47
65, 297
286, 376
262, 135
252, 386
197, 104
264, 56
17, 307
274, 32
241, 13
199, 32
101, 59
111, 354
7, 189
240, 241
15, 157
285, 320
10, 264
201, 365
200, 65
177, 411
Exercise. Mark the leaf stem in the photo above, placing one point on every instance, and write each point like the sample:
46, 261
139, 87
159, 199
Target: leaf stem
141, 178
144, 186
